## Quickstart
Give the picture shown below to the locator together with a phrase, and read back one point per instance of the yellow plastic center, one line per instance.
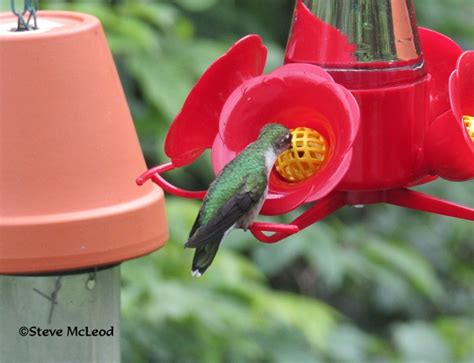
(304, 158)
(469, 124)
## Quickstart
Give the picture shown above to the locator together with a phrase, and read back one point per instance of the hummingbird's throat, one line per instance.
(304, 158)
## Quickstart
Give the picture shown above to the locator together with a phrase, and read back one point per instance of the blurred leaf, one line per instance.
(348, 344)
(314, 319)
(406, 262)
(162, 15)
(459, 333)
(419, 342)
(193, 5)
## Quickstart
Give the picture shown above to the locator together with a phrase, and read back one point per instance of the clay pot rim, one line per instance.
(81, 23)
(125, 207)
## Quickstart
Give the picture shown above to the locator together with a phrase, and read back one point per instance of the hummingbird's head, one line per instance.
(278, 136)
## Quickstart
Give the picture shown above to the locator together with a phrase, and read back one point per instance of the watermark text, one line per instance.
(69, 331)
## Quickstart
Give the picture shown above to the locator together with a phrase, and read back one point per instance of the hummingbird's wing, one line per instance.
(225, 218)
(207, 238)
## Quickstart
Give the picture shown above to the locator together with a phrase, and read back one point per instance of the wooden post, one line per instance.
(61, 318)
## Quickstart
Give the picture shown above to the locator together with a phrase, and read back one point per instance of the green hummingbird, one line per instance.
(236, 196)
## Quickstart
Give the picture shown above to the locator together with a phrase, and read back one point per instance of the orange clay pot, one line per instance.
(69, 154)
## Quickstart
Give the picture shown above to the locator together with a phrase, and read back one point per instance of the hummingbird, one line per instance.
(236, 196)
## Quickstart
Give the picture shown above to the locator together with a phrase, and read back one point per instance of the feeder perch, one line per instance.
(390, 106)
(70, 209)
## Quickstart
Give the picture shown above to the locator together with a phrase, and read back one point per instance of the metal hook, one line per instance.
(30, 7)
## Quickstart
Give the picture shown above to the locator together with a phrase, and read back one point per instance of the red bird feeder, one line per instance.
(377, 106)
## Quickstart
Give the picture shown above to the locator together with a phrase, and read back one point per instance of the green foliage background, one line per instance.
(379, 284)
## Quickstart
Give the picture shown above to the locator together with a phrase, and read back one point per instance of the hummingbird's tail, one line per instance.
(206, 240)
(204, 256)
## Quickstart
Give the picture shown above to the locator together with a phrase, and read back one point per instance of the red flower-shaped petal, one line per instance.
(195, 127)
(294, 95)
(449, 149)
(461, 86)
(440, 54)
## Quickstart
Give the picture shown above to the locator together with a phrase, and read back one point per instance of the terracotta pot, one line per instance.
(69, 154)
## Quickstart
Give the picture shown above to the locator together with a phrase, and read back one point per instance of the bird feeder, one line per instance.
(70, 210)
(377, 106)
